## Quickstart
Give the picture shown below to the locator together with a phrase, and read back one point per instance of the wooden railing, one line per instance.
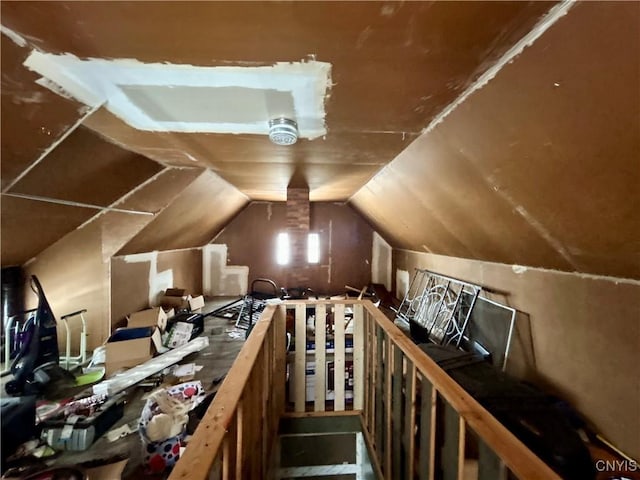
(418, 421)
(236, 436)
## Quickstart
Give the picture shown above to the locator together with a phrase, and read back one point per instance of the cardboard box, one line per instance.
(179, 335)
(175, 298)
(196, 303)
(131, 353)
(175, 292)
(151, 317)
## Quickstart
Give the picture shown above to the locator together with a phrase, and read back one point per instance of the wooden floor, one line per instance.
(216, 360)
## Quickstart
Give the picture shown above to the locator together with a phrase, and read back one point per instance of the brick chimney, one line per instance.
(298, 220)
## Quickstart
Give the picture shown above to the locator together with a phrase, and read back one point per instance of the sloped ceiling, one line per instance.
(394, 67)
(538, 167)
(541, 166)
(82, 169)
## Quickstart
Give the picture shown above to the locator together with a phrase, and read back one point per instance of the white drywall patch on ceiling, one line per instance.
(187, 98)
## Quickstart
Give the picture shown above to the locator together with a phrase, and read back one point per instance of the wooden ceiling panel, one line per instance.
(541, 166)
(394, 67)
(28, 227)
(192, 219)
(119, 228)
(85, 168)
(33, 117)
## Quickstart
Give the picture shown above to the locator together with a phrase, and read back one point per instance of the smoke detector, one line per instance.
(283, 131)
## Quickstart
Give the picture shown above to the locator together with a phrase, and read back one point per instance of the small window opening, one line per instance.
(313, 248)
(282, 249)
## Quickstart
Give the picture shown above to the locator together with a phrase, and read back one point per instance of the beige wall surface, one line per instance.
(578, 335)
(138, 280)
(74, 276)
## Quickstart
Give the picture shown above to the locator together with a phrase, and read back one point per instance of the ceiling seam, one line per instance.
(50, 148)
(553, 15)
(72, 203)
(126, 196)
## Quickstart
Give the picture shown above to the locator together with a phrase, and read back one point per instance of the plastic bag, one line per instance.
(163, 423)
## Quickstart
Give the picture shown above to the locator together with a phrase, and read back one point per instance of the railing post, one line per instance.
(300, 388)
(453, 448)
(490, 467)
(358, 357)
(409, 419)
(338, 359)
(397, 414)
(427, 429)
(319, 401)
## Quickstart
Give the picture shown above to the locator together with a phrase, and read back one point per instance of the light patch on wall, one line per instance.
(381, 261)
(187, 98)
(283, 251)
(158, 281)
(402, 283)
(218, 278)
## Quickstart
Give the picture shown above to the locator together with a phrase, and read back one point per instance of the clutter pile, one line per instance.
(142, 353)
(163, 423)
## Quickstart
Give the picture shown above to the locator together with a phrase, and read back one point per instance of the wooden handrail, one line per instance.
(515, 454)
(207, 440)
(265, 349)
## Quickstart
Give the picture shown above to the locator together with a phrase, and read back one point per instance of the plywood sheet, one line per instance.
(192, 219)
(186, 266)
(540, 167)
(74, 277)
(394, 67)
(28, 227)
(85, 168)
(129, 289)
(33, 117)
(575, 355)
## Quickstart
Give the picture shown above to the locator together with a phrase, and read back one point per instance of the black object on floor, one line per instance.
(18, 416)
(36, 364)
(530, 414)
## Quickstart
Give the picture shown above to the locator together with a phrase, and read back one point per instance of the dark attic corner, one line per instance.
(320, 239)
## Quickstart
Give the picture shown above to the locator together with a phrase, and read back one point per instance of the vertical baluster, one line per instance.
(319, 404)
(240, 440)
(453, 447)
(358, 357)
(339, 363)
(300, 373)
(379, 372)
(427, 429)
(409, 418)
(397, 413)
(388, 406)
(490, 467)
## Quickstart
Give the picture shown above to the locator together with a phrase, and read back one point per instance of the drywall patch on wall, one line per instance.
(402, 283)
(158, 281)
(381, 261)
(218, 279)
(168, 98)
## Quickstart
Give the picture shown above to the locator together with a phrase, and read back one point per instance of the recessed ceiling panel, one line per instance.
(226, 107)
(186, 98)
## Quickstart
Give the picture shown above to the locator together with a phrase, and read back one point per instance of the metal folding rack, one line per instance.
(439, 304)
